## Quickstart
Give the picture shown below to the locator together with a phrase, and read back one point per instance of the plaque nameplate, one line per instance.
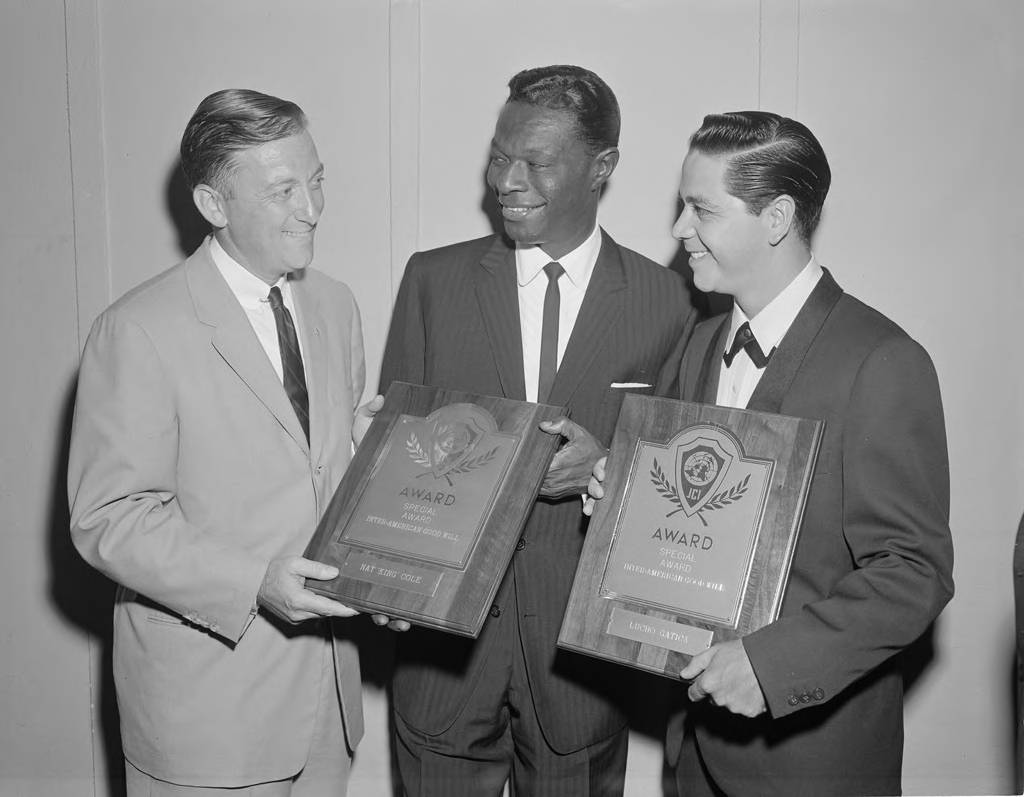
(693, 541)
(426, 518)
(375, 569)
(656, 631)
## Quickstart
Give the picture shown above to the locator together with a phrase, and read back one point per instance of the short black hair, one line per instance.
(768, 155)
(578, 91)
(228, 121)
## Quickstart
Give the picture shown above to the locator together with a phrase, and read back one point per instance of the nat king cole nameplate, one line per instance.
(427, 516)
(694, 538)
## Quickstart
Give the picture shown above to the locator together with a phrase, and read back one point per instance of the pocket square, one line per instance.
(630, 385)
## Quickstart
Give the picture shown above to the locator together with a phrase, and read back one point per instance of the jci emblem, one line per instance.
(448, 441)
(703, 456)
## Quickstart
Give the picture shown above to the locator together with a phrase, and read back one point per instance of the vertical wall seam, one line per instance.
(78, 334)
(760, 51)
(796, 76)
(405, 82)
(80, 27)
(390, 212)
(71, 176)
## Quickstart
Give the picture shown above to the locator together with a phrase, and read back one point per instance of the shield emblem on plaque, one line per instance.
(449, 438)
(701, 465)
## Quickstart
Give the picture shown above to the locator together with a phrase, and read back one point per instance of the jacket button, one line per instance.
(521, 544)
(495, 611)
(794, 700)
(818, 694)
(805, 698)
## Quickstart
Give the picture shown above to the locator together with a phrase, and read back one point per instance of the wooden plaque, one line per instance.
(427, 516)
(693, 541)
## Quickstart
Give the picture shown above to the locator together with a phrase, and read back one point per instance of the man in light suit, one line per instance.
(213, 421)
(496, 316)
(811, 704)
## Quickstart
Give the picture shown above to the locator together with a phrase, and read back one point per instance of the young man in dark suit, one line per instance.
(812, 703)
(553, 311)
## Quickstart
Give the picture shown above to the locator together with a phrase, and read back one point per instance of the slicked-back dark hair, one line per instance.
(768, 155)
(228, 121)
(579, 92)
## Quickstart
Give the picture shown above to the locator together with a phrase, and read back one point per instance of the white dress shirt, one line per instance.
(252, 293)
(533, 284)
(736, 383)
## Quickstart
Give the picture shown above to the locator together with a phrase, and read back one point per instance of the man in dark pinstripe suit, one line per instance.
(471, 316)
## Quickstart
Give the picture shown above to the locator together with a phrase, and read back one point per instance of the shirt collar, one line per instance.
(771, 324)
(249, 289)
(577, 264)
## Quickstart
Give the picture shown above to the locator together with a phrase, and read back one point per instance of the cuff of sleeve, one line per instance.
(243, 610)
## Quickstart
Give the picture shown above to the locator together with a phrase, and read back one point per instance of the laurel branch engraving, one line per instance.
(416, 452)
(667, 490)
(421, 458)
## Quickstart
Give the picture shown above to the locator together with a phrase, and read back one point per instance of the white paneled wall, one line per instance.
(917, 104)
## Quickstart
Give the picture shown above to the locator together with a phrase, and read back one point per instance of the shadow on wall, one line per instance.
(190, 226)
(1017, 659)
(85, 598)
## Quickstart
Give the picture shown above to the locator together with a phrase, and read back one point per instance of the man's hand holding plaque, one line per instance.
(573, 463)
(285, 593)
(364, 417)
(595, 487)
(723, 675)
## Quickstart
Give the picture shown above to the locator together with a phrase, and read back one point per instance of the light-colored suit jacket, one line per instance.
(188, 473)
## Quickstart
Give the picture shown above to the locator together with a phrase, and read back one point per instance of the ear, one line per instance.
(602, 166)
(779, 216)
(210, 203)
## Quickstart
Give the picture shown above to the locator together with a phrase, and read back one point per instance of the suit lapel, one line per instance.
(314, 355)
(706, 388)
(499, 306)
(599, 313)
(235, 341)
(789, 356)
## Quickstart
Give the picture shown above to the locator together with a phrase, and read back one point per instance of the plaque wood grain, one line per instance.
(791, 443)
(462, 595)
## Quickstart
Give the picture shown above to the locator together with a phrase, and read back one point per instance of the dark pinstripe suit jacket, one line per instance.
(873, 565)
(456, 325)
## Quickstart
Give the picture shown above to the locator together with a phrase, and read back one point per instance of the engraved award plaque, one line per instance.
(693, 541)
(427, 516)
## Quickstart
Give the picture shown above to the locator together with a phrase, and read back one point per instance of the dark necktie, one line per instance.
(745, 340)
(291, 359)
(549, 333)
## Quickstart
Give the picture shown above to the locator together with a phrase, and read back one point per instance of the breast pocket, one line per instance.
(611, 404)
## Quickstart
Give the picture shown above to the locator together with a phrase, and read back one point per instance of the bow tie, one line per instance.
(745, 340)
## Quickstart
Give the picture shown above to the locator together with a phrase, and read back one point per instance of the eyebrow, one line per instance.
(292, 180)
(529, 154)
(698, 199)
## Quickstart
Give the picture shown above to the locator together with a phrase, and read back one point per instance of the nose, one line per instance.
(309, 204)
(509, 177)
(683, 228)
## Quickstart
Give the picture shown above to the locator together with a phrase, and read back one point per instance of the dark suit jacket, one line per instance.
(456, 325)
(873, 564)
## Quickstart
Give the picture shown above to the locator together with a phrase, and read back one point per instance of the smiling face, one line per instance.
(267, 218)
(728, 246)
(547, 183)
